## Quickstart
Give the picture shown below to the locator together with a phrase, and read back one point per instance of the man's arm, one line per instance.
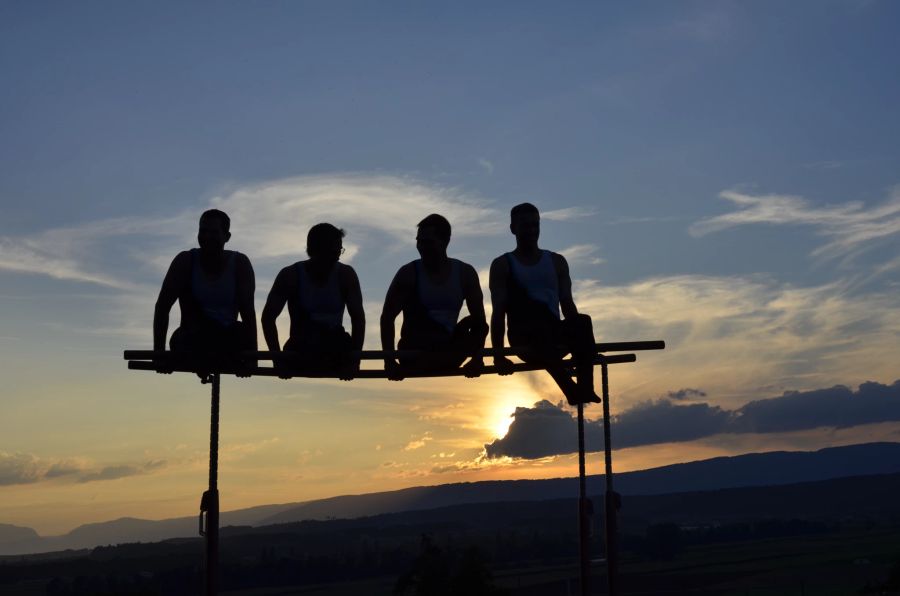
(393, 304)
(246, 287)
(172, 286)
(564, 284)
(355, 307)
(499, 297)
(475, 305)
(274, 305)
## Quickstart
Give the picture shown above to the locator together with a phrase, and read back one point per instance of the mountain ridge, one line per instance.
(748, 470)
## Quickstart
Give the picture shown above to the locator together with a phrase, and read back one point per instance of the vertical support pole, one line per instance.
(209, 504)
(583, 512)
(612, 499)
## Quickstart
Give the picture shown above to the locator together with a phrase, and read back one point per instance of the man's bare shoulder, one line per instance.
(181, 262)
(466, 268)
(286, 278)
(468, 273)
(346, 273)
(500, 264)
(406, 273)
(558, 259)
(242, 260)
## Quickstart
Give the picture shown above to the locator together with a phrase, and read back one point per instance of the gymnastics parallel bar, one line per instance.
(380, 374)
(601, 348)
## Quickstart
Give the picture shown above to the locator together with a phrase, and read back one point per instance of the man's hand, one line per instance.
(393, 370)
(348, 370)
(503, 365)
(473, 367)
(245, 368)
(281, 364)
(163, 365)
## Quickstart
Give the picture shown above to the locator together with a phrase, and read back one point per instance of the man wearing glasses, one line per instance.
(317, 291)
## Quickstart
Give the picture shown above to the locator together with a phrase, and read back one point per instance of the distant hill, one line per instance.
(17, 539)
(753, 470)
(850, 499)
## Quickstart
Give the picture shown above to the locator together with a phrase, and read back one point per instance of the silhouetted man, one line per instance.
(316, 291)
(529, 287)
(430, 292)
(212, 286)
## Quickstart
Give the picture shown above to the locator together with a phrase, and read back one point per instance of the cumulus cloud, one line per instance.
(848, 226)
(547, 429)
(26, 468)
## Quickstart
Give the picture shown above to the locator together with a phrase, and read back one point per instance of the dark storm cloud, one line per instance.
(548, 429)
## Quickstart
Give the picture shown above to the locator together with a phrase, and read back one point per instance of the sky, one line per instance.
(724, 176)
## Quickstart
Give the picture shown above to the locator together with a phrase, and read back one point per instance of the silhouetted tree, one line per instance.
(436, 572)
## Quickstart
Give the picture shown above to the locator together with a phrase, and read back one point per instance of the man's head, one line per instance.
(433, 237)
(525, 224)
(213, 231)
(324, 242)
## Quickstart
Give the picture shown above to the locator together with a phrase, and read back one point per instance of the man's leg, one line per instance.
(541, 342)
(468, 337)
(433, 344)
(311, 352)
(578, 335)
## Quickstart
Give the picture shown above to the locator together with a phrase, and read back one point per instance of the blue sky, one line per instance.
(721, 175)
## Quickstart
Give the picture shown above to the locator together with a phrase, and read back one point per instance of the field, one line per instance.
(837, 564)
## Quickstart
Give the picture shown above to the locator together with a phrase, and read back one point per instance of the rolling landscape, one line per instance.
(525, 532)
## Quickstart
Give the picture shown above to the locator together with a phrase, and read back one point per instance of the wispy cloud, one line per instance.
(273, 217)
(29, 256)
(487, 165)
(567, 213)
(733, 334)
(710, 25)
(269, 221)
(26, 468)
(824, 165)
(418, 443)
(582, 253)
(685, 394)
(848, 226)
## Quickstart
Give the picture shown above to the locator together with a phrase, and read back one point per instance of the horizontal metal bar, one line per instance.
(380, 374)
(624, 346)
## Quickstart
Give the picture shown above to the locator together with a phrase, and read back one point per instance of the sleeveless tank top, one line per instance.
(538, 280)
(324, 304)
(217, 298)
(443, 301)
